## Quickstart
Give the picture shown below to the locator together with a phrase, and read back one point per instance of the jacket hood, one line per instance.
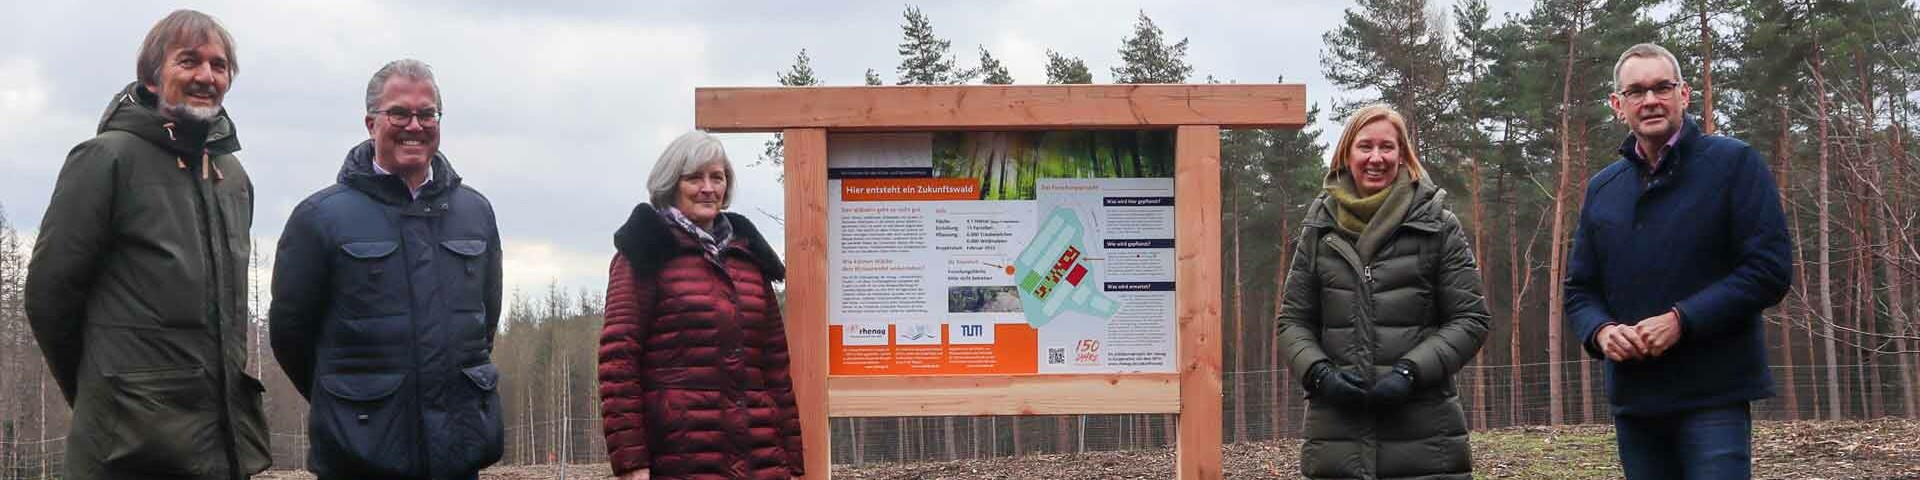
(135, 110)
(357, 172)
(648, 242)
(1426, 213)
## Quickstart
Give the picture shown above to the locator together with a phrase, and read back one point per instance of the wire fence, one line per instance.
(1258, 405)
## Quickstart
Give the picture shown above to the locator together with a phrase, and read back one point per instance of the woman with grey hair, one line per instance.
(693, 357)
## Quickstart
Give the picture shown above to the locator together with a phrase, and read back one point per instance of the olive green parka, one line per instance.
(136, 293)
(1418, 299)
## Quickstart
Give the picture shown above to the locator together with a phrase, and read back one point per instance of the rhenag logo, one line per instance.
(864, 334)
(1088, 353)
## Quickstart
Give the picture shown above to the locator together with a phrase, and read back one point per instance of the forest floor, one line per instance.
(1887, 448)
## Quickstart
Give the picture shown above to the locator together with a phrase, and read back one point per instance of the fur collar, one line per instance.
(648, 242)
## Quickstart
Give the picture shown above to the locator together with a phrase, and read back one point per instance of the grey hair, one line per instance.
(182, 28)
(1647, 50)
(687, 154)
(406, 68)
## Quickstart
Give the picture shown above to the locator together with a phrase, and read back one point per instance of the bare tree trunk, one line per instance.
(900, 438)
(1804, 304)
(859, 441)
(43, 426)
(1862, 315)
(1062, 441)
(1514, 269)
(1239, 320)
(533, 455)
(1782, 152)
(1706, 70)
(1864, 162)
(952, 444)
(1892, 304)
(1169, 428)
(1282, 396)
(1587, 364)
(1480, 259)
(1896, 276)
(1863, 296)
(1018, 446)
(1556, 309)
(1826, 236)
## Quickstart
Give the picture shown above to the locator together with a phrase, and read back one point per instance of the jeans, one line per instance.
(1710, 443)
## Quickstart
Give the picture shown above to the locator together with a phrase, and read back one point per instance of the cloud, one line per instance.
(557, 110)
(531, 263)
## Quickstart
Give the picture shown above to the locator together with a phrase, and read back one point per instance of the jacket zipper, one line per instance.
(1365, 328)
(719, 263)
(208, 230)
(1346, 252)
(413, 348)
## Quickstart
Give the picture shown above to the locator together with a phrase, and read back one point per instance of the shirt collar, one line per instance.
(414, 191)
(1631, 149)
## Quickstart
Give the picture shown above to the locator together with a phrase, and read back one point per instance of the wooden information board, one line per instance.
(1193, 113)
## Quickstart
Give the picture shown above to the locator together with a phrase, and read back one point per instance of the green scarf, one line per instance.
(1368, 220)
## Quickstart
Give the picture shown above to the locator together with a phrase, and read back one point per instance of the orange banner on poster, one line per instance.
(908, 189)
(1015, 350)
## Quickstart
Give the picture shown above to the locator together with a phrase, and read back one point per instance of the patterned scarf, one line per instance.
(710, 242)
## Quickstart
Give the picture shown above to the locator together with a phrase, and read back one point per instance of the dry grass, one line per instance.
(1878, 449)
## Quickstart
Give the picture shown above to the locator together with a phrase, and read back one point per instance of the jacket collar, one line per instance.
(357, 172)
(1671, 158)
(135, 110)
(648, 242)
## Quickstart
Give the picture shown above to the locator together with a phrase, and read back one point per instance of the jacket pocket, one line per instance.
(369, 276)
(470, 258)
(163, 422)
(360, 429)
(483, 429)
(250, 422)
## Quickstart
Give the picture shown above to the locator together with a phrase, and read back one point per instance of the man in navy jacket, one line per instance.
(1681, 245)
(386, 294)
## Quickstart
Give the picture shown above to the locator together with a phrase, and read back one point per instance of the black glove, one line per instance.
(1340, 387)
(1394, 387)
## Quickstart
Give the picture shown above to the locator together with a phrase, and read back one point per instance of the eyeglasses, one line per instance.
(401, 116)
(1663, 90)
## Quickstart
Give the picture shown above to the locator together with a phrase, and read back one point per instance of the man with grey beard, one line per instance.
(137, 289)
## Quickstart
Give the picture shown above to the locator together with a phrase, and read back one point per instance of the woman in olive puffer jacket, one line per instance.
(1382, 307)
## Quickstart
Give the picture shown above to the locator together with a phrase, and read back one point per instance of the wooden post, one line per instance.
(806, 313)
(1196, 191)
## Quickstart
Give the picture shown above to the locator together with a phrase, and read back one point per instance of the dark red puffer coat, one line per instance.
(693, 357)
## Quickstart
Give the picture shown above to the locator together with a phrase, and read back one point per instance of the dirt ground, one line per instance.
(1878, 449)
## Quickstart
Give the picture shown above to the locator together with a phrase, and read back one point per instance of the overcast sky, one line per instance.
(556, 110)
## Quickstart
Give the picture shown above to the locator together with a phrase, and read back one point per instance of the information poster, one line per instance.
(957, 253)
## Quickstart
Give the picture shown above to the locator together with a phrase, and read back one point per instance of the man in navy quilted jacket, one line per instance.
(386, 295)
(1681, 245)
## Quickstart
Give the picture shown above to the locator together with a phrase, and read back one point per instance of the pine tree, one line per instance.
(995, 72)
(798, 75)
(924, 57)
(1147, 58)
(1390, 47)
(873, 79)
(1062, 69)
